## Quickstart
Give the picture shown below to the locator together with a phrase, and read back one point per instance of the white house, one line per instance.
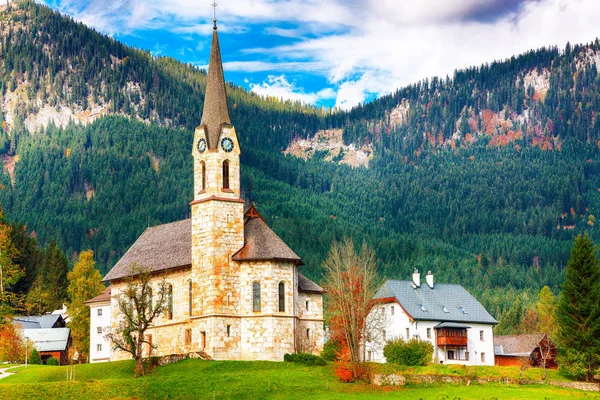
(446, 315)
(100, 314)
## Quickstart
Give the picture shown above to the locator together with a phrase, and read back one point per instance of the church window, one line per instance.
(188, 336)
(308, 333)
(203, 166)
(203, 340)
(306, 305)
(150, 299)
(225, 174)
(190, 298)
(281, 296)
(228, 330)
(170, 295)
(256, 297)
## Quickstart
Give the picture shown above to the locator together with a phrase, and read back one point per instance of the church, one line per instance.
(235, 290)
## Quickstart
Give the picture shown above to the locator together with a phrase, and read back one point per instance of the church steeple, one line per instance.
(216, 110)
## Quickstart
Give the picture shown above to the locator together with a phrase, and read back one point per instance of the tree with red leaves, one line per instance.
(351, 282)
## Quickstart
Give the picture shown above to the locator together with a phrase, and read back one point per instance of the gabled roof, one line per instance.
(261, 243)
(216, 111)
(48, 339)
(442, 303)
(517, 345)
(39, 321)
(158, 248)
(101, 298)
(307, 286)
(169, 246)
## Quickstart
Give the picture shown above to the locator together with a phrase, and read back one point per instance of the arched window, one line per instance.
(256, 296)
(281, 296)
(203, 166)
(170, 296)
(190, 297)
(225, 174)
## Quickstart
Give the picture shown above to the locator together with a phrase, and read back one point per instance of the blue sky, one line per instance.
(338, 53)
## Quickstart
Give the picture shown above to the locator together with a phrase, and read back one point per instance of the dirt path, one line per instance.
(4, 372)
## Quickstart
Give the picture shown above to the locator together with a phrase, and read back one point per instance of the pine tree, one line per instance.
(56, 268)
(579, 312)
(85, 282)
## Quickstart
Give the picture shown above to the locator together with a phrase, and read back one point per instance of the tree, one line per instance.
(138, 307)
(351, 282)
(10, 273)
(12, 349)
(546, 311)
(56, 268)
(578, 313)
(85, 282)
(34, 358)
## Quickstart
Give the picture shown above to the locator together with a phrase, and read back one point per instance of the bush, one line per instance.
(412, 353)
(34, 358)
(330, 351)
(304, 358)
(52, 361)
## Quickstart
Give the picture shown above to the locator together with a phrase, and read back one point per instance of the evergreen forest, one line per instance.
(485, 179)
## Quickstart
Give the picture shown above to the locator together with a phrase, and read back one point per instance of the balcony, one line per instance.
(451, 337)
(451, 341)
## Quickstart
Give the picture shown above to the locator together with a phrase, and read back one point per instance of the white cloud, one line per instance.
(279, 87)
(361, 46)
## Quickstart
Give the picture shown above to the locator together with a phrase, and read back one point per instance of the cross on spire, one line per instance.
(214, 4)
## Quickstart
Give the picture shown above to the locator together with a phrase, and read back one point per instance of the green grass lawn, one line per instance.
(196, 379)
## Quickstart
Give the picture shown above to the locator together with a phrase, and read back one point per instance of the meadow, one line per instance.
(196, 379)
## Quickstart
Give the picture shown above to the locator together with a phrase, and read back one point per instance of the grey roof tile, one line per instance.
(48, 339)
(308, 286)
(442, 303)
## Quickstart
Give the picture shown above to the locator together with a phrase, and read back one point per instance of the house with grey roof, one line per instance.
(459, 328)
(47, 333)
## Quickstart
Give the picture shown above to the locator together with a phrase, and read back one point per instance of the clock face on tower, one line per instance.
(201, 145)
(227, 144)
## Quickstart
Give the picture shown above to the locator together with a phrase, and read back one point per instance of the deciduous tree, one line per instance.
(10, 273)
(351, 282)
(85, 282)
(138, 308)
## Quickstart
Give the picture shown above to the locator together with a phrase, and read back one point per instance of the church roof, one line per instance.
(169, 246)
(158, 248)
(308, 286)
(216, 111)
(261, 243)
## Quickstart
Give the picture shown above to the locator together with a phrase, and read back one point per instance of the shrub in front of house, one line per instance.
(52, 361)
(304, 358)
(34, 358)
(412, 352)
(330, 351)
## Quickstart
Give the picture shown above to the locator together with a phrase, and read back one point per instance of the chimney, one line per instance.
(417, 278)
(429, 279)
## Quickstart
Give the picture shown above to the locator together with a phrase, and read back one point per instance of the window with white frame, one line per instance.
(99, 312)
(481, 336)
(99, 347)
(99, 330)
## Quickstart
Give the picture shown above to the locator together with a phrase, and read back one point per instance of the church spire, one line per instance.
(216, 111)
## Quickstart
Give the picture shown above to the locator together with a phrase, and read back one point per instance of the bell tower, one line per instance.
(217, 209)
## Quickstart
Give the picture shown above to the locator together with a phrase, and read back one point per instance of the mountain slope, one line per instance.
(483, 178)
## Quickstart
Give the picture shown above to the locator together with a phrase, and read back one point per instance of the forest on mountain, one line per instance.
(483, 178)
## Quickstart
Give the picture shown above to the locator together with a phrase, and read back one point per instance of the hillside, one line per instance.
(483, 178)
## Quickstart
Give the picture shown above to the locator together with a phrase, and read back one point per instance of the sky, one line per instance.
(339, 53)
